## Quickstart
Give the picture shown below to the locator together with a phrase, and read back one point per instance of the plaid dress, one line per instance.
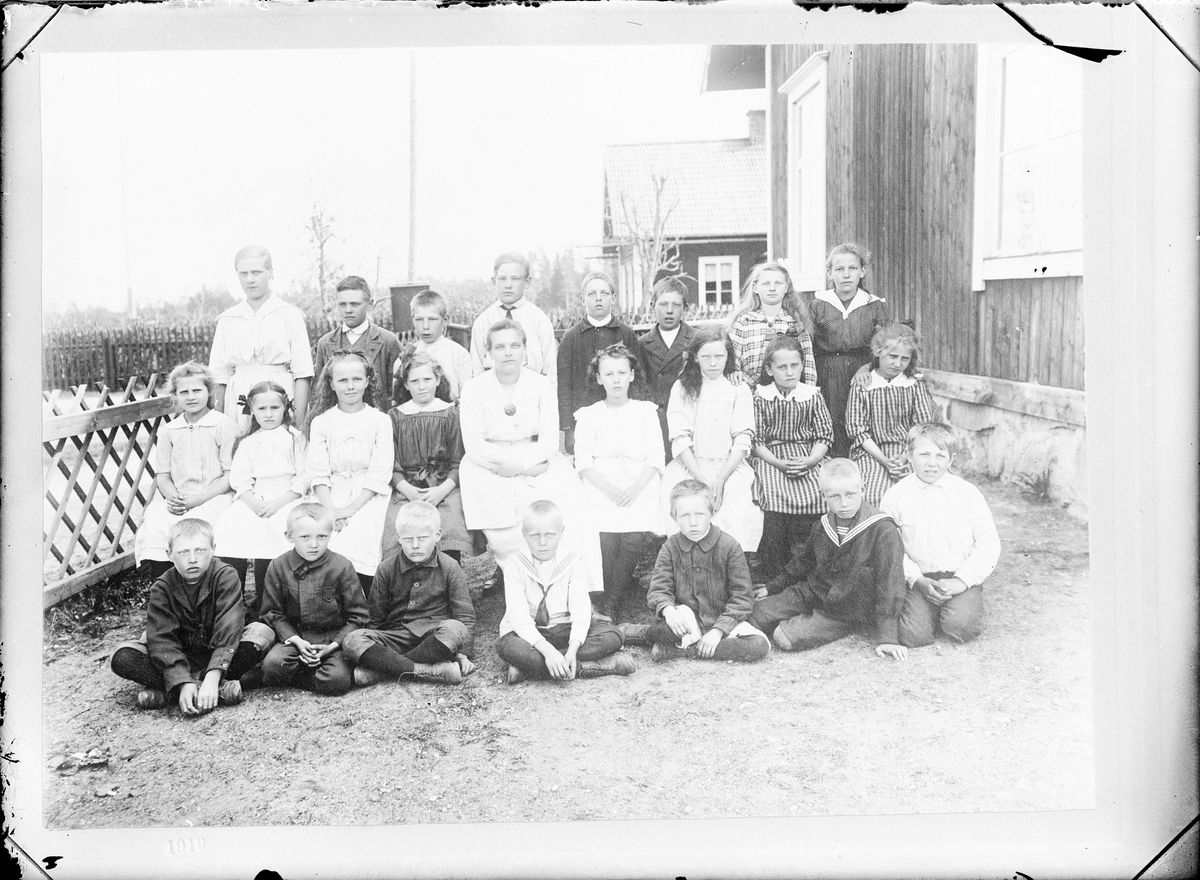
(750, 333)
(884, 411)
(789, 426)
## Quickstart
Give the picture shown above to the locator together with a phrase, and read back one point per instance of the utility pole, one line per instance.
(412, 162)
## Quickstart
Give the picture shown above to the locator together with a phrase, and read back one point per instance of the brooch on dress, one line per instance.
(510, 410)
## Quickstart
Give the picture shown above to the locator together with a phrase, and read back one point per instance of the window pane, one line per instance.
(1063, 94)
(1063, 224)
(1023, 97)
(726, 271)
(1020, 184)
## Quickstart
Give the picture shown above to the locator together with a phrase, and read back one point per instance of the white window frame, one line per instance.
(715, 264)
(988, 263)
(805, 91)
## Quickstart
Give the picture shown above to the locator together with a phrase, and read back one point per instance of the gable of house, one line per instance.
(710, 188)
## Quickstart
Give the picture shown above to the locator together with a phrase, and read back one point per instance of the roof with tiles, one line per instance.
(718, 188)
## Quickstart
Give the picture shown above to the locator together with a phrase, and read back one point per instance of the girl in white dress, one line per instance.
(268, 480)
(711, 423)
(509, 419)
(193, 456)
(619, 455)
(350, 459)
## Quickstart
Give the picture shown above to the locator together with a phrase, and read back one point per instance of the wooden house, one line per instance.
(959, 167)
(708, 199)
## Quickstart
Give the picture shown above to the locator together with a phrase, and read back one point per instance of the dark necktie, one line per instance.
(508, 310)
(542, 617)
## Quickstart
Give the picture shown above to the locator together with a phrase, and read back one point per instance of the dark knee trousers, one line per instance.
(740, 649)
(803, 627)
(782, 532)
(602, 639)
(620, 553)
(960, 618)
(332, 677)
(131, 660)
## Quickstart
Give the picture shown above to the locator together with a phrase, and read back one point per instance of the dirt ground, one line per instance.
(1001, 724)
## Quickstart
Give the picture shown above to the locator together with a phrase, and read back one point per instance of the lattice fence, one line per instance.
(98, 478)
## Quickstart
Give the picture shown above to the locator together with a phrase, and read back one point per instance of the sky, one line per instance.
(158, 166)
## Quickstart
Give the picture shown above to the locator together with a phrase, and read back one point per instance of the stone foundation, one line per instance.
(1046, 457)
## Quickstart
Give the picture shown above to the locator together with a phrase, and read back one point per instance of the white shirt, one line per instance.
(860, 299)
(353, 334)
(596, 323)
(567, 599)
(454, 359)
(275, 334)
(540, 346)
(945, 526)
(668, 336)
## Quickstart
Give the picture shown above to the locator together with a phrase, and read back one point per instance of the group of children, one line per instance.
(719, 439)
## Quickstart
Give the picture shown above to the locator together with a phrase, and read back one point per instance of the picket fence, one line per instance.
(111, 356)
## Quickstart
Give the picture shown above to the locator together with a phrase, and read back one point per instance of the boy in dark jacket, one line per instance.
(596, 331)
(421, 621)
(700, 589)
(196, 647)
(849, 573)
(313, 600)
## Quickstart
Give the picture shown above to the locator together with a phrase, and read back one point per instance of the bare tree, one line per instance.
(321, 235)
(654, 250)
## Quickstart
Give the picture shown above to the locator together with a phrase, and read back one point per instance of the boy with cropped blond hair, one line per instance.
(950, 541)
(700, 589)
(548, 629)
(421, 621)
(313, 600)
(847, 575)
(429, 312)
(196, 647)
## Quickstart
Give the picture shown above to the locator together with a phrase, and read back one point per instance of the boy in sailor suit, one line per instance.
(849, 573)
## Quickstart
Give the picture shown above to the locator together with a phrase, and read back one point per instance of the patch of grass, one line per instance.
(91, 616)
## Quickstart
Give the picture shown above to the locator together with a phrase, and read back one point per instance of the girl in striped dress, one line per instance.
(884, 403)
(770, 307)
(792, 433)
(844, 318)
(429, 448)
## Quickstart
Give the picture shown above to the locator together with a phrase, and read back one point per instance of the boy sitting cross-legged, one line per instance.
(313, 600)
(194, 627)
(422, 621)
(848, 573)
(701, 589)
(548, 630)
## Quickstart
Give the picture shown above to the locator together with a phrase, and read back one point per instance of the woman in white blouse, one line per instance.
(509, 418)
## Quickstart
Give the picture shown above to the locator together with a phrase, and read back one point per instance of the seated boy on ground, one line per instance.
(548, 630)
(196, 645)
(847, 574)
(422, 621)
(313, 600)
(950, 541)
(700, 588)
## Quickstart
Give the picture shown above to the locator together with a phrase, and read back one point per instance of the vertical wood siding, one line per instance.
(900, 161)
(1034, 331)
